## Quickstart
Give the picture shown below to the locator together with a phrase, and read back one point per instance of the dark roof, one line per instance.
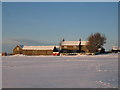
(21, 46)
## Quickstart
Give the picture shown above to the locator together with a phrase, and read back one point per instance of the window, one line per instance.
(65, 46)
(17, 49)
(75, 46)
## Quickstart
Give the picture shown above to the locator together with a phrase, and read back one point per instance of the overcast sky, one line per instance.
(39, 23)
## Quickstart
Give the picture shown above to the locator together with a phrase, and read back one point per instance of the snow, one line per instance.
(116, 47)
(39, 47)
(74, 43)
(97, 71)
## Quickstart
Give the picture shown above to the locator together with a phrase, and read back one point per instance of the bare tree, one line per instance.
(96, 41)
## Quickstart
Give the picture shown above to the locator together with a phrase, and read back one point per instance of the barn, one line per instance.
(18, 49)
(34, 50)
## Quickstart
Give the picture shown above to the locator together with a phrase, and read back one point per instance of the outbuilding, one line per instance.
(34, 50)
(116, 49)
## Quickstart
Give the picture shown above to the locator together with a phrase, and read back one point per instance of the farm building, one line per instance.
(18, 49)
(65, 47)
(34, 50)
(116, 49)
(73, 46)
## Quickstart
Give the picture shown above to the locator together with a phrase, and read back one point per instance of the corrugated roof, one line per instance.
(74, 42)
(39, 47)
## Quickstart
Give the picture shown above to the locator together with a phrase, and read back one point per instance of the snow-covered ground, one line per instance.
(98, 71)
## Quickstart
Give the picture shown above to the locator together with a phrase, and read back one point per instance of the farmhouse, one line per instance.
(34, 50)
(73, 46)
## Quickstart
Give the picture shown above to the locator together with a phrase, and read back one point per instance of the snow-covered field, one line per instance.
(99, 71)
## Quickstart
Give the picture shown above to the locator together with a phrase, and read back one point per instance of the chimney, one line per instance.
(63, 40)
